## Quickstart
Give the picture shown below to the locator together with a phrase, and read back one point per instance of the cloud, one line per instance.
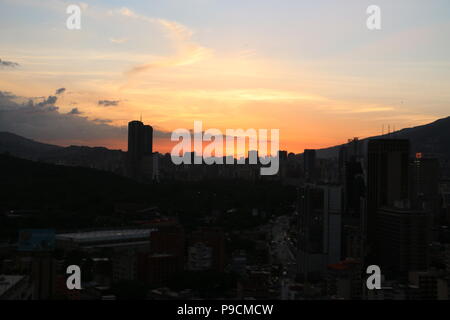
(108, 103)
(60, 91)
(49, 102)
(43, 121)
(187, 51)
(8, 64)
(102, 120)
(75, 111)
(6, 95)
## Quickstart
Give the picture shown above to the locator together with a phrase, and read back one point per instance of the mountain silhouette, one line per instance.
(431, 139)
(90, 157)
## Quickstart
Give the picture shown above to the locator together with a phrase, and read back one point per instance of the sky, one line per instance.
(311, 69)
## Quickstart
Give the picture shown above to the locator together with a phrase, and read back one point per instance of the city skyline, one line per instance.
(216, 157)
(306, 69)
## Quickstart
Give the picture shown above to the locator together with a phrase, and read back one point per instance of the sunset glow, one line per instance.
(317, 75)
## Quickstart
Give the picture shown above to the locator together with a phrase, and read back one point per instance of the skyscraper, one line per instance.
(387, 181)
(319, 237)
(403, 240)
(309, 160)
(147, 140)
(424, 190)
(140, 148)
(135, 139)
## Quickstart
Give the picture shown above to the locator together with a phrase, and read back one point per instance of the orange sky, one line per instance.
(320, 82)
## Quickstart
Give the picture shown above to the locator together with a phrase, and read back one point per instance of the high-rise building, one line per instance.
(140, 149)
(147, 148)
(387, 182)
(43, 275)
(320, 223)
(354, 190)
(309, 160)
(424, 189)
(135, 139)
(403, 240)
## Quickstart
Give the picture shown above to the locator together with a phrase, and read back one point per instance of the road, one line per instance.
(281, 249)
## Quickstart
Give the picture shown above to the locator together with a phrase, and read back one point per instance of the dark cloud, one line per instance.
(8, 64)
(43, 121)
(102, 120)
(60, 91)
(75, 111)
(50, 101)
(7, 95)
(108, 103)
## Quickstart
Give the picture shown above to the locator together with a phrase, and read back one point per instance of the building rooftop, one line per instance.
(105, 235)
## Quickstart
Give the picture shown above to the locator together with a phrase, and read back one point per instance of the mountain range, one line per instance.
(432, 139)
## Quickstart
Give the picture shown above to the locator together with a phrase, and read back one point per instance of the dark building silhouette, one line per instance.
(140, 149)
(354, 195)
(387, 182)
(148, 140)
(283, 161)
(169, 240)
(43, 273)
(309, 160)
(212, 239)
(283, 155)
(403, 240)
(354, 189)
(311, 220)
(425, 173)
(320, 228)
(157, 269)
(343, 280)
(135, 139)
(140, 139)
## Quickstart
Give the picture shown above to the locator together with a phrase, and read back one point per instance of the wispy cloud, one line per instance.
(187, 51)
(244, 95)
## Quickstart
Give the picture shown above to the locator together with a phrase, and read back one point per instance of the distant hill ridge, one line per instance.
(91, 157)
(432, 138)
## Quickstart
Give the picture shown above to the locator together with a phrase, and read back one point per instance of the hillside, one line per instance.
(90, 157)
(432, 138)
